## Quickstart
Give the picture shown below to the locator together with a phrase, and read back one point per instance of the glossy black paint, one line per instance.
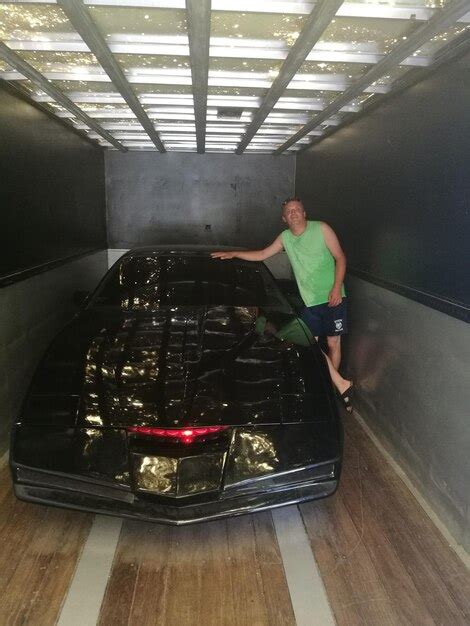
(179, 341)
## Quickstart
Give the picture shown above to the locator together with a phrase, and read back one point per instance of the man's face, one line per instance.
(293, 213)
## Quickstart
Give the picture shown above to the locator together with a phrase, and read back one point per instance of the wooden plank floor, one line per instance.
(39, 550)
(382, 560)
(380, 556)
(222, 572)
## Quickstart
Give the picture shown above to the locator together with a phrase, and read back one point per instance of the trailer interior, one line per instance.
(186, 123)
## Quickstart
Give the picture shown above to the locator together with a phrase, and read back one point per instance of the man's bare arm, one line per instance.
(251, 255)
(333, 245)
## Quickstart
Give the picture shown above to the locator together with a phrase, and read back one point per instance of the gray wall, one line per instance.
(412, 364)
(395, 186)
(32, 311)
(170, 198)
(51, 188)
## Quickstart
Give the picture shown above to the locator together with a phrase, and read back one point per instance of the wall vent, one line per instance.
(231, 113)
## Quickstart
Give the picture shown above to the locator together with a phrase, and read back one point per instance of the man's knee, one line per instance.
(333, 341)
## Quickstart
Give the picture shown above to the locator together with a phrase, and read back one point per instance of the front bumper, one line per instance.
(75, 493)
(105, 470)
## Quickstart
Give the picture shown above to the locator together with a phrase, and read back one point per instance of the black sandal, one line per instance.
(346, 398)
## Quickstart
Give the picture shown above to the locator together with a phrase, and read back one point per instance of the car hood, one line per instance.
(182, 366)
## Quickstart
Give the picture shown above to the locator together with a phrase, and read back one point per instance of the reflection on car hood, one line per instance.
(184, 366)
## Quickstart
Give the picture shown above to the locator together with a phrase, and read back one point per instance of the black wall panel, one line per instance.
(209, 199)
(52, 194)
(395, 185)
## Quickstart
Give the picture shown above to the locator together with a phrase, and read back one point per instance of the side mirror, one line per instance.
(79, 297)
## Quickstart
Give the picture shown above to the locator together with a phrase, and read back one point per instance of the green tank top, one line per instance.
(312, 263)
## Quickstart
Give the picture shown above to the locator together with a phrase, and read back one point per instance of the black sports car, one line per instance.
(185, 389)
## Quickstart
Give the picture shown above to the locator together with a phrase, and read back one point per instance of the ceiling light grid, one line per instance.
(139, 78)
(398, 50)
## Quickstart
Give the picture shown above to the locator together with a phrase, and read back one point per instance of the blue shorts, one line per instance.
(324, 320)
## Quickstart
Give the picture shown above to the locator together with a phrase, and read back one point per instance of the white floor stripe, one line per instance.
(308, 595)
(83, 602)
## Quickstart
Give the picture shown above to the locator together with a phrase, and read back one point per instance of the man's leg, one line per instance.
(339, 382)
(335, 324)
(334, 350)
(314, 318)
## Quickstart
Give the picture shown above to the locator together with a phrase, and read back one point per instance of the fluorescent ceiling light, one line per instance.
(302, 82)
(221, 47)
(348, 9)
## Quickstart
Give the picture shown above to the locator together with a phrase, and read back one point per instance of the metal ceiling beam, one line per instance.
(80, 19)
(318, 20)
(28, 71)
(447, 16)
(198, 13)
(79, 129)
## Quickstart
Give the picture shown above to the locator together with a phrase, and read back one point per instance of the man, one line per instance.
(319, 266)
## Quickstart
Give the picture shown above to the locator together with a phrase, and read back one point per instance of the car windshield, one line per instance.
(147, 282)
